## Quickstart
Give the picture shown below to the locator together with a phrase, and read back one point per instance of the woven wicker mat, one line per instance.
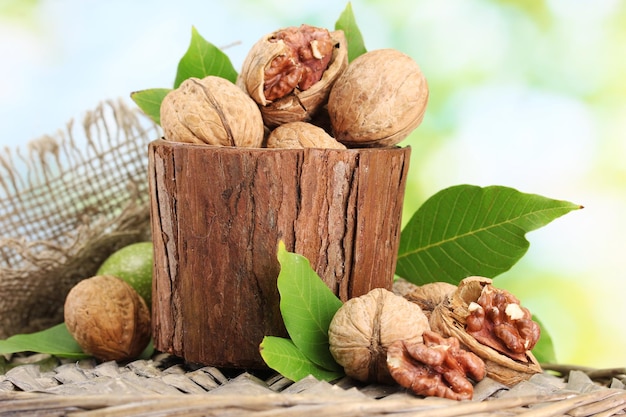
(166, 386)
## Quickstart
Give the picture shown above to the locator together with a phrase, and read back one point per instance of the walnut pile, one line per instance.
(382, 337)
(301, 75)
(452, 337)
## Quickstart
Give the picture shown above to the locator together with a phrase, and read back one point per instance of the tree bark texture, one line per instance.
(218, 214)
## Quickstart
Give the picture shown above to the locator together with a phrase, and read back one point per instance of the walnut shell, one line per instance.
(427, 296)
(298, 135)
(378, 100)
(108, 318)
(449, 319)
(364, 327)
(298, 104)
(211, 111)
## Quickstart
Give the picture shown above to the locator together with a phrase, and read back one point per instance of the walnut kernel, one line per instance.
(306, 57)
(497, 320)
(437, 367)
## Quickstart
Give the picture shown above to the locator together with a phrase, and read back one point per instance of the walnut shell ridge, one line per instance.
(378, 100)
(211, 111)
(364, 327)
(108, 318)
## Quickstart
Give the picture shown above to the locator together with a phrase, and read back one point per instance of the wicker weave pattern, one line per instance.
(165, 386)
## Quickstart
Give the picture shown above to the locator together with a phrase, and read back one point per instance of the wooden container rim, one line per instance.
(173, 144)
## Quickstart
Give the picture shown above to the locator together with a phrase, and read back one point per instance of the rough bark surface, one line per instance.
(218, 214)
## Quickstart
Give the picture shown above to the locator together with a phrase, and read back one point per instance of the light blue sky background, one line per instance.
(73, 53)
(525, 96)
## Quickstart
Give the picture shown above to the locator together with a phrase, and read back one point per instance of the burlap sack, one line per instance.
(67, 202)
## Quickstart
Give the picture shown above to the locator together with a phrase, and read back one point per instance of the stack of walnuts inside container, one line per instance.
(296, 89)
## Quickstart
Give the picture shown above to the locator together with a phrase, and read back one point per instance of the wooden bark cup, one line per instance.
(218, 214)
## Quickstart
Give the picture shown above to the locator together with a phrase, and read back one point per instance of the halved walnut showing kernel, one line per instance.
(289, 72)
(491, 323)
(438, 367)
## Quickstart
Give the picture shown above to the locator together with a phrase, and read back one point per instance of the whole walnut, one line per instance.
(211, 111)
(364, 327)
(298, 135)
(427, 296)
(378, 100)
(108, 318)
(289, 72)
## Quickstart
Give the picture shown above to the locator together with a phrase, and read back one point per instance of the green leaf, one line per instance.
(347, 23)
(307, 306)
(149, 101)
(283, 356)
(148, 351)
(56, 341)
(544, 349)
(468, 230)
(203, 59)
(45, 364)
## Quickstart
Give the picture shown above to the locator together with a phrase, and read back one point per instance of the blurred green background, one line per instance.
(527, 94)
